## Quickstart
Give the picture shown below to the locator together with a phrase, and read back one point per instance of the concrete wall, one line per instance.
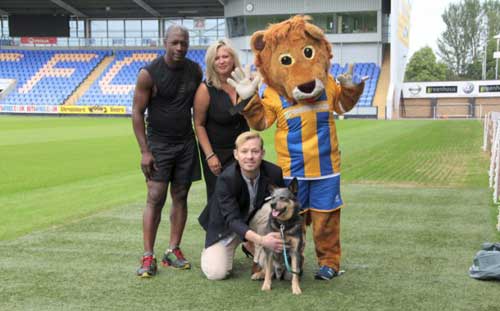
(269, 7)
(347, 48)
(448, 107)
(357, 53)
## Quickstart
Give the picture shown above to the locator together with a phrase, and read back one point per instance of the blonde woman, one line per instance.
(215, 127)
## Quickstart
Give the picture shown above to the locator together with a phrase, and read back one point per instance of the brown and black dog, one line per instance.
(285, 218)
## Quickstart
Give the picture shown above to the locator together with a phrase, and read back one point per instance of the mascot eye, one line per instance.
(308, 51)
(286, 59)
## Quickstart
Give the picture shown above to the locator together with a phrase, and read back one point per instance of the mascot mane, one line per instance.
(296, 29)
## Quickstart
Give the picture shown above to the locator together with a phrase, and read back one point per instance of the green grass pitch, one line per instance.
(72, 194)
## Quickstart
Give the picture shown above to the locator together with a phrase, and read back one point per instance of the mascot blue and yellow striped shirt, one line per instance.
(306, 138)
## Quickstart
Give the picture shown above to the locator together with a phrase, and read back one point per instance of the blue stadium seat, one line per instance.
(115, 86)
(46, 77)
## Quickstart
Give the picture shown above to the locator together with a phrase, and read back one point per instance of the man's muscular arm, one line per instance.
(142, 94)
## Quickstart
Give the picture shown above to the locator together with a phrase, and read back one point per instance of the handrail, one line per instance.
(132, 42)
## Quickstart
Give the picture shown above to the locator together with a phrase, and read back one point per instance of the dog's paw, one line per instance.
(266, 286)
(296, 290)
(257, 276)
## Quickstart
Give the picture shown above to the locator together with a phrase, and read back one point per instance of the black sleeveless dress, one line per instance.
(222, 131)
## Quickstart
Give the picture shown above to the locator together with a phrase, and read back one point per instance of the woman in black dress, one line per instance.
(216, 129)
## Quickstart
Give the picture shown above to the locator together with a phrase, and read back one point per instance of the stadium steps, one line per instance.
(380, 98)
(94, 75)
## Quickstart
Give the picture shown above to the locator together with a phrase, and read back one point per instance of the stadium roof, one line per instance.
(115, 8)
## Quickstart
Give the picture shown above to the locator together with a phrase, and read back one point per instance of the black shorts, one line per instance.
(177, 163)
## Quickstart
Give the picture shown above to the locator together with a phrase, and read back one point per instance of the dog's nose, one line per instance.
(307, 87)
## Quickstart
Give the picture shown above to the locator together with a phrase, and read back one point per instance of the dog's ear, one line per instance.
(271, 187)
(294, 186)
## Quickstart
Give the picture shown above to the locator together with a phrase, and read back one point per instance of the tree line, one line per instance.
(465, 48)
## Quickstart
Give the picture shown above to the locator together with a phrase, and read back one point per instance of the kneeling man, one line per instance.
(234, 213)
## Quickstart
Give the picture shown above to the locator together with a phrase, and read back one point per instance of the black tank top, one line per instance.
(222, 128)
(169, 110)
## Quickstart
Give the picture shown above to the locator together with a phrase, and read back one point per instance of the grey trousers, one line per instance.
(217, 260)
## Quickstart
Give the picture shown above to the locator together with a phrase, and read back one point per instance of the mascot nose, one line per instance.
(307, 87)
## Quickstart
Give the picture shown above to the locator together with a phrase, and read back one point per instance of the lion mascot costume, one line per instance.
(293, 58)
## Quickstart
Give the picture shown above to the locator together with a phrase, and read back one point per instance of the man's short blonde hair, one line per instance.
(246, 136)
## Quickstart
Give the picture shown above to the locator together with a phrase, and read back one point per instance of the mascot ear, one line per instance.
(257, 41)
(317, 34)
(314, 31)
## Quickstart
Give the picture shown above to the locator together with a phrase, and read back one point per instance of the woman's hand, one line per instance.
(214, 165)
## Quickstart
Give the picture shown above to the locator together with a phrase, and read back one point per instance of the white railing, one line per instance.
(194, 40)
(491, 144)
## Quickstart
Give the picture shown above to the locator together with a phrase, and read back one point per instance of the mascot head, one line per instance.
(293, 57)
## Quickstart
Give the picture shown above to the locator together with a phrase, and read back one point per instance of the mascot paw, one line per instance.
(348, 80)
(242, 81)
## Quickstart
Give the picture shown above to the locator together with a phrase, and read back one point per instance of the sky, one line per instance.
(426, 23)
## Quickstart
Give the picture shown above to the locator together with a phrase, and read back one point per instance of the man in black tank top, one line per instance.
(166, 88)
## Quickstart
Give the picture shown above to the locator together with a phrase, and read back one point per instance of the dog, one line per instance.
(285, 218)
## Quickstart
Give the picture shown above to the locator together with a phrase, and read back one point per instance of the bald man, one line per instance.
(169, 156)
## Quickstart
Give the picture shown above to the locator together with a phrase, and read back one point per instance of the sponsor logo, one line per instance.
(97, 109)
(415, 89)
(72, 109)
(93, 109)
(468, 88)
(441, 89)
(38, 40)
(296, 111)
(118, 110)
(489, 88)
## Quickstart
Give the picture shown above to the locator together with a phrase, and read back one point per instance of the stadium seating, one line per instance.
(49, 77)
(46, 77)
(115, 86)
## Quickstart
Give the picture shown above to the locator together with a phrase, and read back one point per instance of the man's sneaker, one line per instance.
(148, 267)
(175, 258)
(326, 273)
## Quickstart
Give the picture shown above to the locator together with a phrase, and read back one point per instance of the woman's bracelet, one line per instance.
(208, 157)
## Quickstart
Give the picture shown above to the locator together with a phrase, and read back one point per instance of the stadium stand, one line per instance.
(49, 77)
(46, 77)
(115, 86)
(373, 72)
